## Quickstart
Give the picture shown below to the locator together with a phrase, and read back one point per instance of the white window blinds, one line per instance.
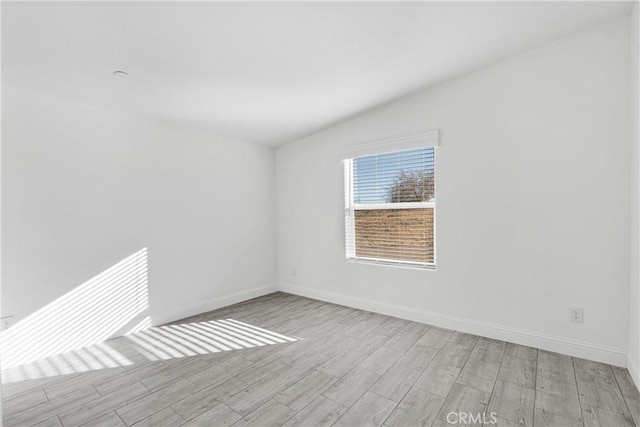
(390, 207)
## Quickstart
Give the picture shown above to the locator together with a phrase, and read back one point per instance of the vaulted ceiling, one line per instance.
(268, 72)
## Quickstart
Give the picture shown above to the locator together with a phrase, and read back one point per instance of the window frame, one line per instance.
(351, 207)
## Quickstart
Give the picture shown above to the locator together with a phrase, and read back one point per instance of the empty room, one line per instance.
(344, 214)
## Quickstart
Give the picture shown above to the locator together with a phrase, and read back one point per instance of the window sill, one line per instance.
(399, 264)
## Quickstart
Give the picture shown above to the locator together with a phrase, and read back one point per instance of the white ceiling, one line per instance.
(268, 72)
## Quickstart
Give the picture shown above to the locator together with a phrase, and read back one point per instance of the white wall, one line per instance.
(85, 187)
(533, 202)
(633, 361)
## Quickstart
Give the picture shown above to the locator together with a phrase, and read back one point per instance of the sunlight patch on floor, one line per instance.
(151, 344)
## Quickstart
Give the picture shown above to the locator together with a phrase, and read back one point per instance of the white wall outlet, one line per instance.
(7, 322)
(293, 272)
(577, 314)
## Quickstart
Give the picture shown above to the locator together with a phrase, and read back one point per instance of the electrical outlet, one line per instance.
(577, 315)
(293, 272)
(7, 322)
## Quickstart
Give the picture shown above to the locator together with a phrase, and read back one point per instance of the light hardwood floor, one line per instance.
(287, 360)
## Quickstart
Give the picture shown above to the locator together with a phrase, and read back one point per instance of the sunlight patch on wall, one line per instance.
(88, 314)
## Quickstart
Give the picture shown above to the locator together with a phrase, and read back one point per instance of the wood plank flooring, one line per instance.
(287, 360)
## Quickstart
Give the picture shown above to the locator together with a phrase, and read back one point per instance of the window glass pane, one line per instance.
(377, 226)
(395, 234)
(406, 176)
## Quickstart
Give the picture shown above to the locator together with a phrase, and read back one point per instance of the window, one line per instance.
(390, 207)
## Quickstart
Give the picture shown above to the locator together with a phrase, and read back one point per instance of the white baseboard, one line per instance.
(632, 367)
(585, 350)
(212, 304)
